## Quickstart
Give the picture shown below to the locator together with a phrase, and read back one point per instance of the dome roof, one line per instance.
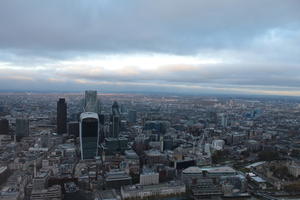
(192, 170)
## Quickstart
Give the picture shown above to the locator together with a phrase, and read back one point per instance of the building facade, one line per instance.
(4, 127)
(91, 103)
(61, 116)
(22, 128)
(89, 129)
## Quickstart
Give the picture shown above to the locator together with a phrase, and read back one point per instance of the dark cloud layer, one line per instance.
(258, 42)
(174, 26)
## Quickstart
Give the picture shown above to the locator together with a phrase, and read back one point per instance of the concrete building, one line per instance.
(112, 146)
(257, 181)
(158, 127)
(149, 178)
(237, 183)
(192, 175)
(4, 173)
(51, 193)
(106, 195)
(161, 190)
(206, 189)
(294, 169)
(253, 145)
(236, 138)
(155, 157)
(115, 179)
(40, 181)
(218, 144)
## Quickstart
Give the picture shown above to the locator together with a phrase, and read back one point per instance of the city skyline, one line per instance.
(190, 47)
(137, 146)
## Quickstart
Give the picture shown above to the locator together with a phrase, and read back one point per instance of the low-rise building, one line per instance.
(167, 189)
(149, 178)
(294, 169)
(116, 179)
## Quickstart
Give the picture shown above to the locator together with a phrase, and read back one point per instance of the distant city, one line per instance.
(149, 99)
(98, 146)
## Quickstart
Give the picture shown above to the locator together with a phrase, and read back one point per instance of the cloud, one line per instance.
(195, 45)
(170, 26)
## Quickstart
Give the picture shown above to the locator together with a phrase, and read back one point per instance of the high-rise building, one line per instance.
(123, 109)
(61, 116)
(91, 103)
(115, 126)
(212, 116)
(22, 128)
(224, 120)
(4, 127)
(102, 128)
(89, 129)
(115, 109)
(115, 120)
(73, 128)
(132, 116)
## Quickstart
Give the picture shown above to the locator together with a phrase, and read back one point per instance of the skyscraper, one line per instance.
(132, 116)
(224, 120)
(101, 132)
(91, 103)
(73, 128)
(61, 116)
(115, 126)
(4, 127)
(115, 109)
(115, 119)
(22, 128)
(89, 129)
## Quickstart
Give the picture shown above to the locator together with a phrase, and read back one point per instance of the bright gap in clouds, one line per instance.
(143, 62)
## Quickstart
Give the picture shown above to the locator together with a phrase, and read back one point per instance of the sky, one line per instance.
(171, 46)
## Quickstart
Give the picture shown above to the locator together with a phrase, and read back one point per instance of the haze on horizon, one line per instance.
(190, 46)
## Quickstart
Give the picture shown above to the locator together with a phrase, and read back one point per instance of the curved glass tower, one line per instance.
(89, 129)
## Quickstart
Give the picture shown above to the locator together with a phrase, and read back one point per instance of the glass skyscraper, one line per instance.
(91, 101)
(89, 129)
(22, 128)
(61, 116)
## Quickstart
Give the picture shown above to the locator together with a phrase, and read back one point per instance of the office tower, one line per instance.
(102, 119)
(115, 109)
(102, 128)
(4, 127)
(61, 116)
(115, 119)
(132, 116)
(212, 117)
(22, 128)
(91, 102)
(73, 128)
(89, 129)
(123, 109)
(224, 120)
(115, 126)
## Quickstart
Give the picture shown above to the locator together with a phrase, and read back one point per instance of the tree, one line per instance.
(268, 155)
(295, 187)
(281, 171)
(218, 156)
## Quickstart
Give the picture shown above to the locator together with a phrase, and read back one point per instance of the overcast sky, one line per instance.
(188, 46)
